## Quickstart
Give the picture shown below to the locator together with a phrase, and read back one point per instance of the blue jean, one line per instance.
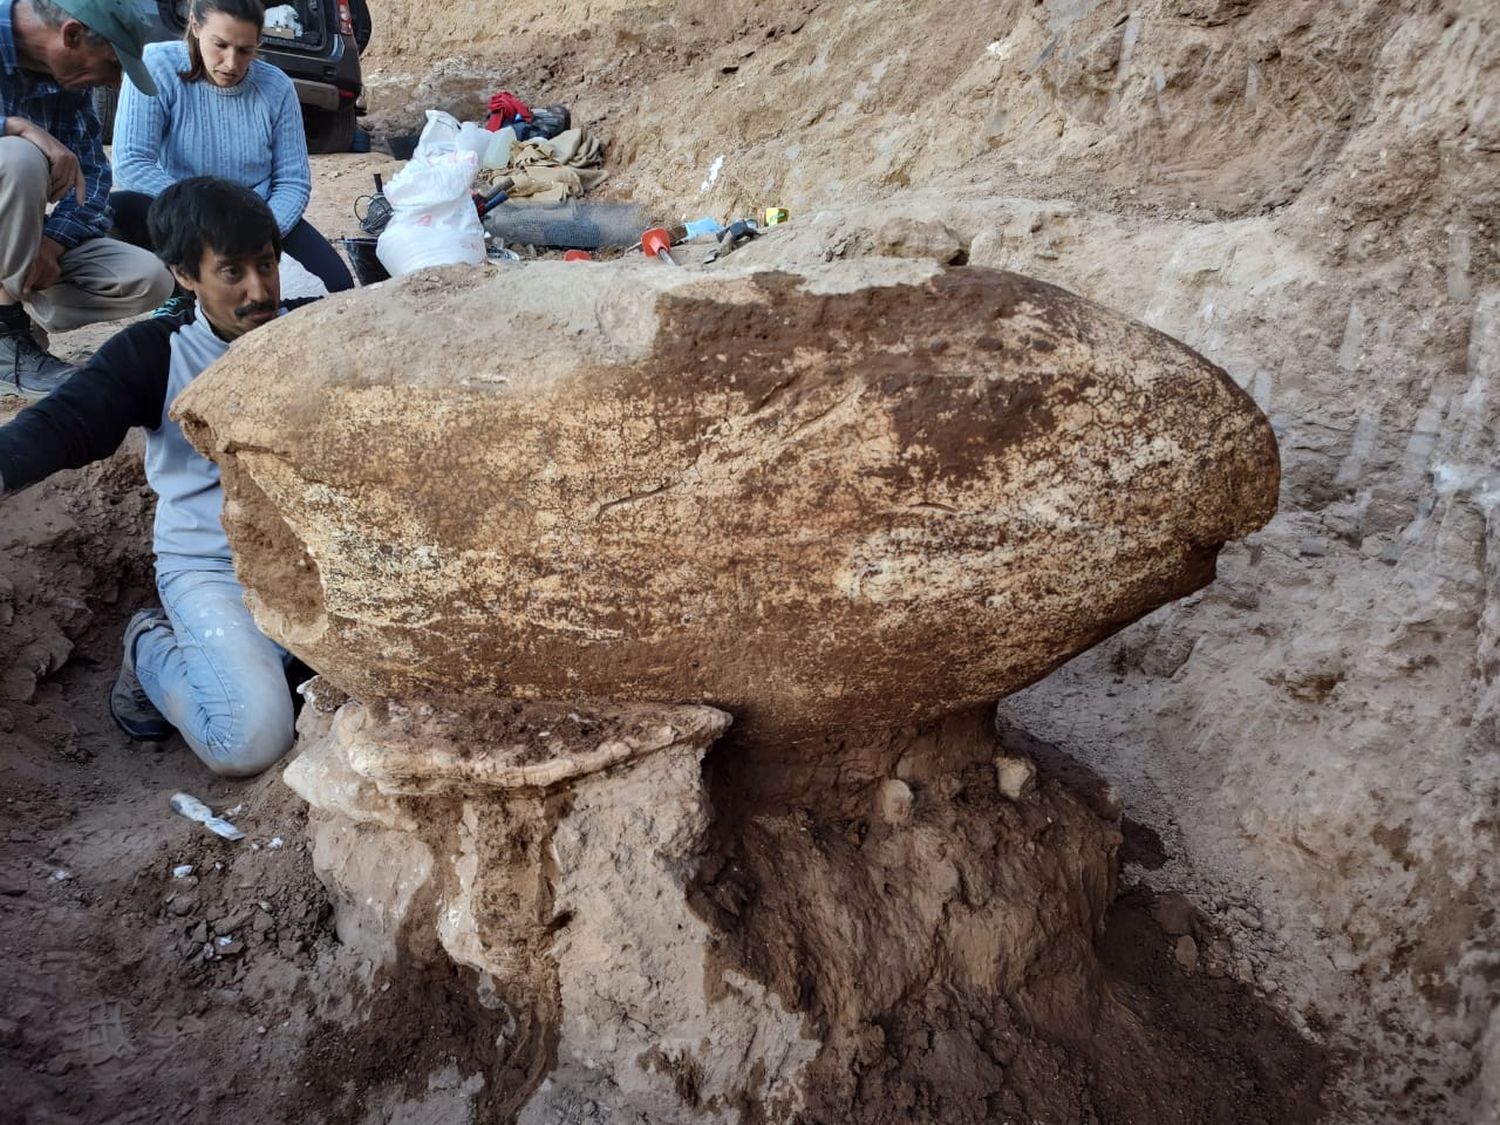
(215, 676)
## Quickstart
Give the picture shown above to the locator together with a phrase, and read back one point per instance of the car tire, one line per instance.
(105, 103)
(329, 130)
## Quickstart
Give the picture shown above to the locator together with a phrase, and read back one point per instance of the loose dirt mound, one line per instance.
(803, 880)
(128, 993)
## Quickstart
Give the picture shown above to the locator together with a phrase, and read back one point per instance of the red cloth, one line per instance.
(504, 108)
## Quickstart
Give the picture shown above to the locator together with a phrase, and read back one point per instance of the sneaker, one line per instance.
(129, 705)
(175, 305)
(26, 368)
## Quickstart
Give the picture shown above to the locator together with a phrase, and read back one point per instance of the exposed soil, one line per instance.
(1237, 1060)
(1169, 1037)
(1304, 192)
(128, 992)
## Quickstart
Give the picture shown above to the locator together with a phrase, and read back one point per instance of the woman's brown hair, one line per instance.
(251, 11)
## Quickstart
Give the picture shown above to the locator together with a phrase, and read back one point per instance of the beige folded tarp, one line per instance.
(552, 171)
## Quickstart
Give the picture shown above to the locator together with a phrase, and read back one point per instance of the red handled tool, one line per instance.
(658, 243)
(484, 204)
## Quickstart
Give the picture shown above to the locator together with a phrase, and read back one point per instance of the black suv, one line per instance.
(322, 62)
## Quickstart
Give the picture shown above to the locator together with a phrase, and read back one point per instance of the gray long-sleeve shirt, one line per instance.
(133, 381)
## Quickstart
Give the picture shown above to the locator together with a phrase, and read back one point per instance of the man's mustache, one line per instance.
(259, 307)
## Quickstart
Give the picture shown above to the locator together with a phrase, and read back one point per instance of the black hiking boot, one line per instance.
(129, 705)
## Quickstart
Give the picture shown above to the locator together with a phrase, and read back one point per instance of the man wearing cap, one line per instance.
(61, 264)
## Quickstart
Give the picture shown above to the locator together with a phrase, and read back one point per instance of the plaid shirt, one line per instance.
(69, 116)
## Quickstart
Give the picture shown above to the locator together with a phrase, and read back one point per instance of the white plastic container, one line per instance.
(473, 137)
(497, 150)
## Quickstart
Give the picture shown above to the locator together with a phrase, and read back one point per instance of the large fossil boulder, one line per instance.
(862, 496)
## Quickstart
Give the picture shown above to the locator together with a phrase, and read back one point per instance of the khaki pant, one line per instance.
(102, 279)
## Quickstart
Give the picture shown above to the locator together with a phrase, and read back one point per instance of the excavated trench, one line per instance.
(1238, 870)
(856, 905)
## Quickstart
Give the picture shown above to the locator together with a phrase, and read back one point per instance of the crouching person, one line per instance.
(198, 664)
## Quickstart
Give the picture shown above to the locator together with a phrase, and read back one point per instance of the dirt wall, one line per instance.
(1220, 107)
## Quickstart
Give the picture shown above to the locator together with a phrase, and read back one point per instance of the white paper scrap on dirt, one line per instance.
(713, 174)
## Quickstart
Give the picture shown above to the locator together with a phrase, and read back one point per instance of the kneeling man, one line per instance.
(199, 663)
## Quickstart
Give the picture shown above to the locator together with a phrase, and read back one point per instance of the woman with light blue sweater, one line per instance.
(220, 111)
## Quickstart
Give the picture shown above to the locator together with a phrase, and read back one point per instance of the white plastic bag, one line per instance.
(283, 18)
(298, 281)
(433, 220)
(439, 135)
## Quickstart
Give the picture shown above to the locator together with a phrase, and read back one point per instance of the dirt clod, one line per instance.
(1174, 913)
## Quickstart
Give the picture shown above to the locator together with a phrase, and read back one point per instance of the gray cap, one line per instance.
(120, 23)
